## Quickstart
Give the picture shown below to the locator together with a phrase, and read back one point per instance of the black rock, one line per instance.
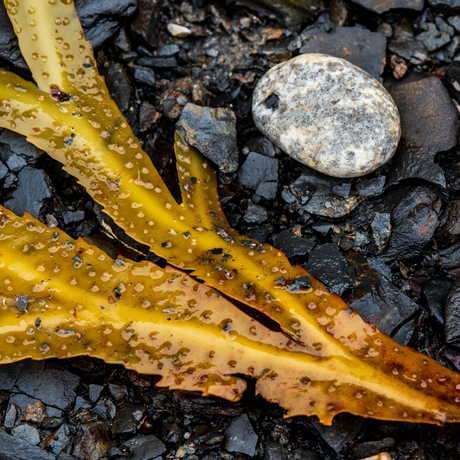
(27, 432)
(342, 190)
(240, 436)
(432, 38)
(429, 124)
(3, 171)
(385, 306)
(312, 192)
(50, 383)
(15, 163)
(118, 392)
(213, 133)
(13, 448)
(18, 144)
(367, 449)
(380, 6)
(11, 416)
(143, 75)
(158, 62)
(94, 391)
(258, 169)
(73, 216)
(144, 447)
(255, 214)
(169, 49)
(292, 245)
(103, 19)
(343, 429)
(119, 86)
(357, 45)
(62, 439)
(414, 221)
(127, 419)
(452, 314)
(274, 451)
(32, 194)
(327, 263)
(381, 229)
(371, 187)
(434, 294)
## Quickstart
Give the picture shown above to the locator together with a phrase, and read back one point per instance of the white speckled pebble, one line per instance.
(328, 114)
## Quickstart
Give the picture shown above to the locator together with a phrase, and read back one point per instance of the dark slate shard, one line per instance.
(431, 37)
(322, 201)
(361, 47)
(449, 259)
(267, 190)
(119, 85)
(452, 314)
(11, 416)
(327, 263)
(3, 171)
(15, 163)
(13, 448)
(381, 229)
(255, 214)
(213, 133)
(169, 49)
(303, 454)
(81, 403)
(343, 429)
(144, 447)
(369, 448)
(274, 451)
(50, 383)
(292, 245)
(61, 440)
(381, 6)
(118, 392)
(103, 19)
(126, 420)
(73, 216)
(414, 221)
(32, 194)
(385, 306)
(434, 294)
(240, 436)
(411, 50)
(9, 48)
(18, 144)
(258, 169)
(451, 4)
(371, 187)
(342, 190)
(158, 62)
(94, 391)
(26, 432)
(143, 75)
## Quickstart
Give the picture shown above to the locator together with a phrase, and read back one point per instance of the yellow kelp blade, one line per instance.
(61, 298)
(53, 44)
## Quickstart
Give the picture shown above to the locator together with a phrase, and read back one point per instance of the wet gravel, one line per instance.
(389, 242)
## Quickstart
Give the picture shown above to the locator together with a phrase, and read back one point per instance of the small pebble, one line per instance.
(178, 31)
(328, 114)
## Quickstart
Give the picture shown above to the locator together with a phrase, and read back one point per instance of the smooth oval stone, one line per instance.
(328, 114)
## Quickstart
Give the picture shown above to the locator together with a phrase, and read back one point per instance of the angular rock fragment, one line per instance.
(292, 245)
(258, 170)
(381, 229)
(429, 124)
(380, 6)
(452, 314)
(361, 47)
(327, 114)
(213, 133)
(327, 264)
(241, 437)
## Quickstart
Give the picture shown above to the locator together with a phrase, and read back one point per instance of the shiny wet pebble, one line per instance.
(328, 114)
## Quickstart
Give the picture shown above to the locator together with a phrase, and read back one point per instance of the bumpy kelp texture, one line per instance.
(71, 116)
(61, 297)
